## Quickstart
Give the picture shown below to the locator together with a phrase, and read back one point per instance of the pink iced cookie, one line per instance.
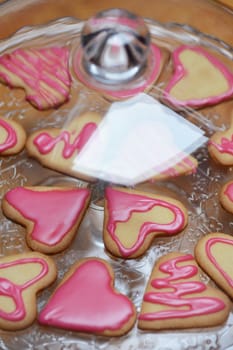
(58, 148)
(21, 277)
(199, 79)
(86, 301)
(51, 215)
(12, 137)
(176, 298)
(42, 73)
(214, 253)
(220, 146)
(132, 219)
(226, 196)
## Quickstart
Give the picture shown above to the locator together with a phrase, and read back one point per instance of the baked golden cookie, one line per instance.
(214, 253)
(51, 215)
(22, 276)
(86, 301)
(176, 298)
(220, 146)
(12, 137)
(42, 73)
(58, 148)
(226, 196)
(133, 218)
(199, 79)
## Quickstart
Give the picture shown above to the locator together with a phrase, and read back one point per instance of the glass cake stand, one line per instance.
(199, 192)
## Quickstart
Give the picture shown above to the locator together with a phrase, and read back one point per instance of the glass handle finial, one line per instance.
(115, 46)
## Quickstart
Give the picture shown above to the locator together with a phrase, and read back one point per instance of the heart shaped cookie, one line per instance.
(214, 253)
(51, 215)
(199, 79)
(21, 277)
(58, 148)
(12, 137)
(133, 218)
(86, 301)
(176, 298)
(226, 196)
(42, 73)
(220, 146)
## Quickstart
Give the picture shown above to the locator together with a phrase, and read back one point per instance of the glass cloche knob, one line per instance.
(115, 46)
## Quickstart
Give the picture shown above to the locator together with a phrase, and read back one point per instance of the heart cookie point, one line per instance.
(87, 302)
(42, 73)
(133, 218)
(199, 79)
(214, 253)
(175, 297)
(58, 149)
(51, 215)
(21, 277)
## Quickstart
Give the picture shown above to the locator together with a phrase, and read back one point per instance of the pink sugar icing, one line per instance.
(229, 191)
(53, 212)
(225, 146)
(45, 143)
(39, 68)
(14, 291)
(122, 205)
(11, 138)
(124, 93)
(209, 244)
(86, 302)
(180, 72)
(182, 305)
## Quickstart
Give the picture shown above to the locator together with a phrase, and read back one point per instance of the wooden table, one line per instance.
(205, 15)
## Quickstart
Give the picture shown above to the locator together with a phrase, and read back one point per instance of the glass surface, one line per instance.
(199, 193)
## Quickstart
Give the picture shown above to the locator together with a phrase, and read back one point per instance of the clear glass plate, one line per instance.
(199, 192)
